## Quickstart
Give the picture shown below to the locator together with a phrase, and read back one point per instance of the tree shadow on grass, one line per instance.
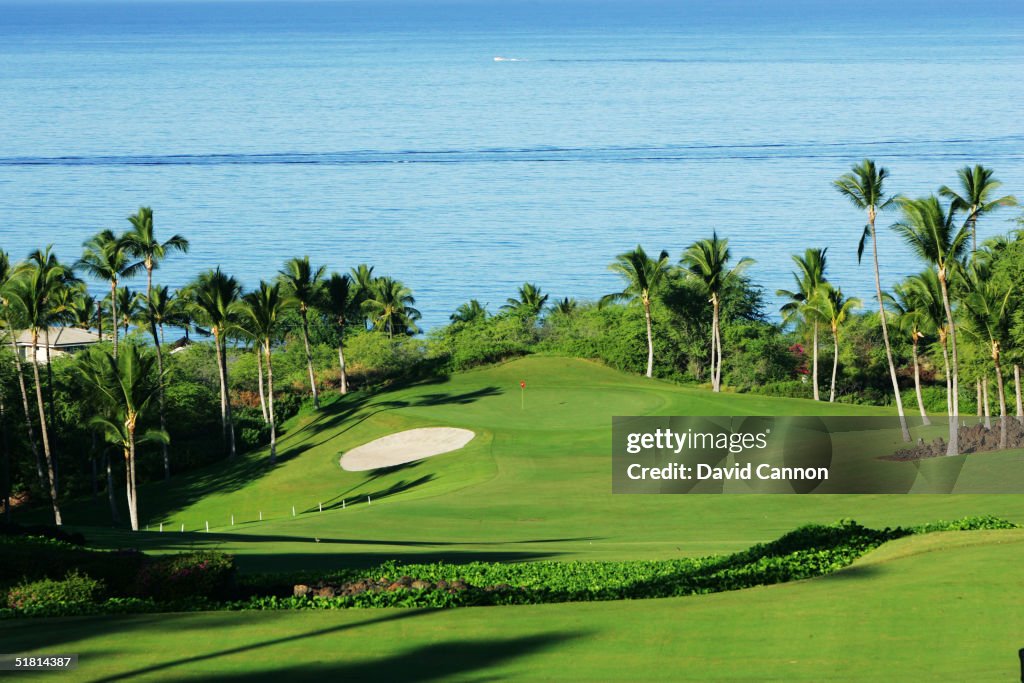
(473, 660)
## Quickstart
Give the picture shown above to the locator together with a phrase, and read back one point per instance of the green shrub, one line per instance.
(73, 590)
(205, 574)
(30, 558)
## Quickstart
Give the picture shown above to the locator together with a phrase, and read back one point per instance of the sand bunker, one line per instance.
(403, 447)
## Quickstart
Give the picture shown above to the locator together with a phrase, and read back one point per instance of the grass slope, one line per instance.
(936, 607)
(534, 484)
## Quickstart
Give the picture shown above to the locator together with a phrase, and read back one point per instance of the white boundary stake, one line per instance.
(161, 527)
(293, 510)
(182, 527)
(368, 501)
(232, 520)
(321, 507)
(207, 526)
(342, 503)
(261, 515)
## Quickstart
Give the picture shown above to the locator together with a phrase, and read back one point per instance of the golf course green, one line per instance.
(535, 484)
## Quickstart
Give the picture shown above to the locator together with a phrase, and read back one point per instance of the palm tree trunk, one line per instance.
(977, 384)
(259, 384)
(917, 386)
(954, 422)
(53, 413)
(835, 364)
(113, 312)
(1002, 395)
(984, 402)
(341, 360)
(270, 400)
(42, 426)
(949, 379)
(115, 516)
(309, 360)
(28, 414)
(716, 347)
(160, 393)
(6, 445)
(885, 332)
(1017, 391)
(814, 363)
(129, 457)
(650, 339)
(225, 400)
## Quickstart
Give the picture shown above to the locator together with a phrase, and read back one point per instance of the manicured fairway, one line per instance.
(936, 607)
(533, 484)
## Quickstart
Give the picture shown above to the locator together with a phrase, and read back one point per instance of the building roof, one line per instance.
(59, 337)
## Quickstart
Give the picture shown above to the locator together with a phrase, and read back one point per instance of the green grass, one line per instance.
(534, 483)
(935, 607)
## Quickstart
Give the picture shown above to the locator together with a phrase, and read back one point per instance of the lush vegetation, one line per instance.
(206, 579)
(949, 339)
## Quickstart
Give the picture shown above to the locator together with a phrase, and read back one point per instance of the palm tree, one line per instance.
(706, 262)
(530, 299)
(644, 276)
(12, 324)
(129, 307)
(302, 284)
(928, 301)
(565, 306)
(363, 283)
(31, 292)
(977, 185)
(82, 309)
(830, 305)
(929, 232)
(124, 389)
(469, 312)
(810, 277)
(213, 300)
(106, 257)
(987, 305)
(390, 307)
(141, 243)
(159, 308)
(911, 319)
(338, 298)
(261, 314)
(864, 187)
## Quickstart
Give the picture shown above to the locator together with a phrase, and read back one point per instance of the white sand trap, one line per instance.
(403, 447)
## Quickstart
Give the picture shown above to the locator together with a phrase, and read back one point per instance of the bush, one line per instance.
(31, 558)
(204, 574)
(73, 590)
(44, 531)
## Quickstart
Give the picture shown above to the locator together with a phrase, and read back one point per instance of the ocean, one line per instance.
(467, 147)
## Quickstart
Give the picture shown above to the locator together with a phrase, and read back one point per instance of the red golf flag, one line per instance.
(522, 384)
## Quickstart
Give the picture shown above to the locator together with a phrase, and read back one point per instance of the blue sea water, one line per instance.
(384, 131)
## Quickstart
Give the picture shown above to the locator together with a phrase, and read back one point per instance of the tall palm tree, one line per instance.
(31, 292)
(644, 276)
(302, 284)
(363, 283)
(977, 185)
(864, 186)
(338, 298)
(469, 312)
(911, 319)
(530, 299)
(106, 257)
(390, 307)
(158, 308)
(706, 262)
(82, 308)
(987, 308)
(830, 305)
(124, 389)
(261, 313)
(141, 242)
(929, 231)
(810, 278)
(213, 300)
(12, 324)
(928, 301)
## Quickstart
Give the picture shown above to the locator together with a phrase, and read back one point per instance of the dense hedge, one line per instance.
(199, 581)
